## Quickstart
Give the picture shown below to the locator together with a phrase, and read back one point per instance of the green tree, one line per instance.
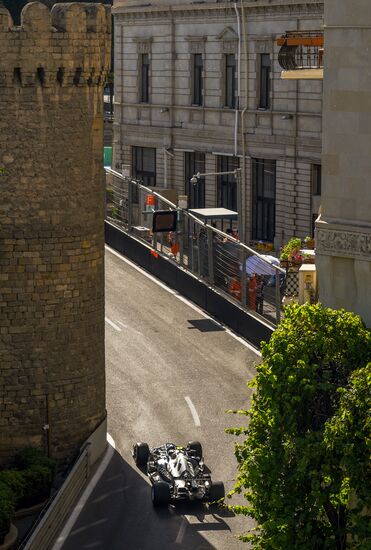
(303, 464)
(347, 440)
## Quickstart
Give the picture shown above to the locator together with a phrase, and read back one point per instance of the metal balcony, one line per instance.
(301, 54)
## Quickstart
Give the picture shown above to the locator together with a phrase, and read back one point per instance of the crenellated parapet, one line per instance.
(67, 46)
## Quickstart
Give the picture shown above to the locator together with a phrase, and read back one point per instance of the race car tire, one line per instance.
(196, 447)
(217, 491)
(160, 493)
(141, 454)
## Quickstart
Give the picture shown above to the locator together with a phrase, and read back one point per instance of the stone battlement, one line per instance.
(67, 46)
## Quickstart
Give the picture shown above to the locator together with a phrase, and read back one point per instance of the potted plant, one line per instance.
(291, 252)
(309, 243)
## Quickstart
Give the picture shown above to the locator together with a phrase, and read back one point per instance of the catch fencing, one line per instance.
(232, 268)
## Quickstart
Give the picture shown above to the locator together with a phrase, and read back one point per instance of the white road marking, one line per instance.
(112, 324)
(86, 494)
(130, 328)
(194, 413)
(185, 301)
(181, 533)
(107, 495)
(89, 526)
(135, 266)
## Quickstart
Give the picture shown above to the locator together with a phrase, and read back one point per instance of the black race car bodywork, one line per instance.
(177, 473)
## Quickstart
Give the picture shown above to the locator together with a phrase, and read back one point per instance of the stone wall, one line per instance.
(52, 71)
(289, 132)
(344, 229)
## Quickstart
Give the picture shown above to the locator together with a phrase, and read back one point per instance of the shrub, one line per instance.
(30, 456)
(15, 481)
(38, 480)
(7, 509)
(37, 472)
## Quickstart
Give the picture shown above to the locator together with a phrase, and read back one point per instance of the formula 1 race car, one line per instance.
(177, 473)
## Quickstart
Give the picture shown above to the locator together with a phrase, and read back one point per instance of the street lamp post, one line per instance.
(237, 174)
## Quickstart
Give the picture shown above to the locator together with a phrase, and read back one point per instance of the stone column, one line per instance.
(344, 227)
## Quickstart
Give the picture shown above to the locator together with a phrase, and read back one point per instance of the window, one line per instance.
(227, 184)
(263, 200)
(193, 163)
(316, 179)
(144, 78)
(265, 84)
(230, 81)
(197, 79)
(144, 165)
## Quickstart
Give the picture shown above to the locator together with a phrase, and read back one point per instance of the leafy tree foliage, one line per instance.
(347, 438)
(303, 466)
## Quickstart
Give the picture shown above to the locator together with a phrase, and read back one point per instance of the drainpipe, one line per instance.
(165, 169)
(167, 154)
(296, 124)
(168, 141)
(238, 80)
(243, 143)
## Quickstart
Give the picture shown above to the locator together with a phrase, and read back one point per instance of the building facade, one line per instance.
(52, 371)
(198, 89)
(344, 227)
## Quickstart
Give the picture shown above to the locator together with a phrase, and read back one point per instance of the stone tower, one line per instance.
(52, 71)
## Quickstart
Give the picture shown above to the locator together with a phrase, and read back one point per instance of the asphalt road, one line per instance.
(171, 375)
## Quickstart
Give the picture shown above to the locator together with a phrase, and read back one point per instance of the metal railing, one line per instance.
(301, 50)
(221, 261)
(47, 525)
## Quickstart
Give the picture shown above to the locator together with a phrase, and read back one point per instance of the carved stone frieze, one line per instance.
(344, 243)
(284, 7)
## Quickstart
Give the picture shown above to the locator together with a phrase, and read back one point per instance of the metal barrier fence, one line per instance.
(47, 526)
(242, 275)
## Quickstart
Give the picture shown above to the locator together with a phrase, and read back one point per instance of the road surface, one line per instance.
(171, 375)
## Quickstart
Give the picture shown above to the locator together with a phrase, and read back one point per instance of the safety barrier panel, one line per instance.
(254, 281)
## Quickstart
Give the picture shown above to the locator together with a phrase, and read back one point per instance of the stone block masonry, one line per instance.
(52, 71)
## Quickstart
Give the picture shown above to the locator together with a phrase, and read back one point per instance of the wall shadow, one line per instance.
(119, 515)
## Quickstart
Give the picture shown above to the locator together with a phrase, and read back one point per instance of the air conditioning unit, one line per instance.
(126, 170)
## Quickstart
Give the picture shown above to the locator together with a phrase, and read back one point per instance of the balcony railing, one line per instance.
(301, 51)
